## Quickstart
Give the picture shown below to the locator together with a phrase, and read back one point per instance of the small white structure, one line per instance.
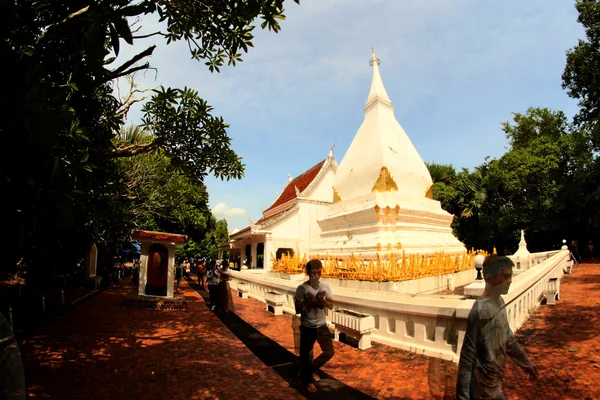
(242, 289)
(552, 292)
(354, 324)
(157, 262)
(522, 257)
(275, 301)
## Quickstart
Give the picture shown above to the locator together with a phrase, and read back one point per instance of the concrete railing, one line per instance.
(434, 325)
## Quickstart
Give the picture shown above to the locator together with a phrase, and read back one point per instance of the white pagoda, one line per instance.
(382, 197)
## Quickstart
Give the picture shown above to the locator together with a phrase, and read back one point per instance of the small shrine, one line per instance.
(157, 262)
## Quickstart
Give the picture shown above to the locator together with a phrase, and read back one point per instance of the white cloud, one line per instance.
(224, 209)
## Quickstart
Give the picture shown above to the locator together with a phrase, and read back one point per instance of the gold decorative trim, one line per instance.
(378, 246)
(385, 182)
(399, 246)
(389, 247)
(429, 193)
(377, 209)
(336, 196)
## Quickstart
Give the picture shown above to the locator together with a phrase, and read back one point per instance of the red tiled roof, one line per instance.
(265, 219)
(301, 181)
(246, 229)
(159, 236)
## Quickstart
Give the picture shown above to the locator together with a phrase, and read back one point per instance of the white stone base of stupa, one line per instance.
(383, 222)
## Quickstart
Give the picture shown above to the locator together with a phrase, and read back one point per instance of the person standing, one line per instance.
(201, 272)
(311, 298)
(574, 249)
(489, 339)
(187, 269)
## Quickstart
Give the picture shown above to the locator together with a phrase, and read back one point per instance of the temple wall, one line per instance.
(434, 325)
(323, 191)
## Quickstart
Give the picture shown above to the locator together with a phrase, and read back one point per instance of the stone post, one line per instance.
(268, 262)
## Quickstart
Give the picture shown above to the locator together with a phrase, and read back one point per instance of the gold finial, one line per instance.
(374, 58)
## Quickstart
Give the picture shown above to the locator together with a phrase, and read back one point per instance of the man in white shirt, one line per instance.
(311, 299)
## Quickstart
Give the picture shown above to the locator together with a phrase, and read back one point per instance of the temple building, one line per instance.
(378, 200)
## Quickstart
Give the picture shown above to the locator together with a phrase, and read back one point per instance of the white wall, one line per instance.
(433, 325)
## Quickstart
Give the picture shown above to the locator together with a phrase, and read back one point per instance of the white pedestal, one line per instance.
(550, 296)
(364, 338)
(274, 302)
(273, 308)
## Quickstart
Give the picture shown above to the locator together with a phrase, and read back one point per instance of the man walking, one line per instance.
(489, 340)
(311, 299)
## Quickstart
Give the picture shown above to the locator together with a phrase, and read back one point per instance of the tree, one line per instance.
(462, 194)
(59, 114)
(161, 197)
(536, 185)
(545, 184)
(222, 232)
(581, 76)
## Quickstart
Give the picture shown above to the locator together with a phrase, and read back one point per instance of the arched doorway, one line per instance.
(248, 254)
(157, 270)
(260, 255)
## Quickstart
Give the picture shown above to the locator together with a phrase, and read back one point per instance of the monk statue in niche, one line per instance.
(157, 271)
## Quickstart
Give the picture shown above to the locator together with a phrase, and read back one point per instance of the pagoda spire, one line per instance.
(377, 91)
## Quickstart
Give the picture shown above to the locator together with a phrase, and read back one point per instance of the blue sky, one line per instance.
(454, 70)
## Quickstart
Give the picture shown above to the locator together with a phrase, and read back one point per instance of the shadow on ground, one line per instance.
(282, 360)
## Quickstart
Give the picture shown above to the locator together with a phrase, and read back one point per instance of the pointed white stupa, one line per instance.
(381, 142)
(382, 191)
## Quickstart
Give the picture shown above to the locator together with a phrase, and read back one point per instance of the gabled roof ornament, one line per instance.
(330, 155)
(289, 178)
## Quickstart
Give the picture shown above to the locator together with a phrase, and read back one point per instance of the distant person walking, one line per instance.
(201, 272)
(187, 269)
(213, 280)
(590, 250)
(574, 249)
(489, 340)
(311, 298)
(226, 300)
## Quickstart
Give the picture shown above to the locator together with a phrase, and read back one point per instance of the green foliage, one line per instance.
(538, 185)
(581, 76)
(222, 232)
(532, 184)
(59, 115)
(194, 140)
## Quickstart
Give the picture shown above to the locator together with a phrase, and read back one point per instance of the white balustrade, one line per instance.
(430, 324)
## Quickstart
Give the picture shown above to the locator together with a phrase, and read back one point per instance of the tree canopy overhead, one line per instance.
(59, 114)
(581, 76)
